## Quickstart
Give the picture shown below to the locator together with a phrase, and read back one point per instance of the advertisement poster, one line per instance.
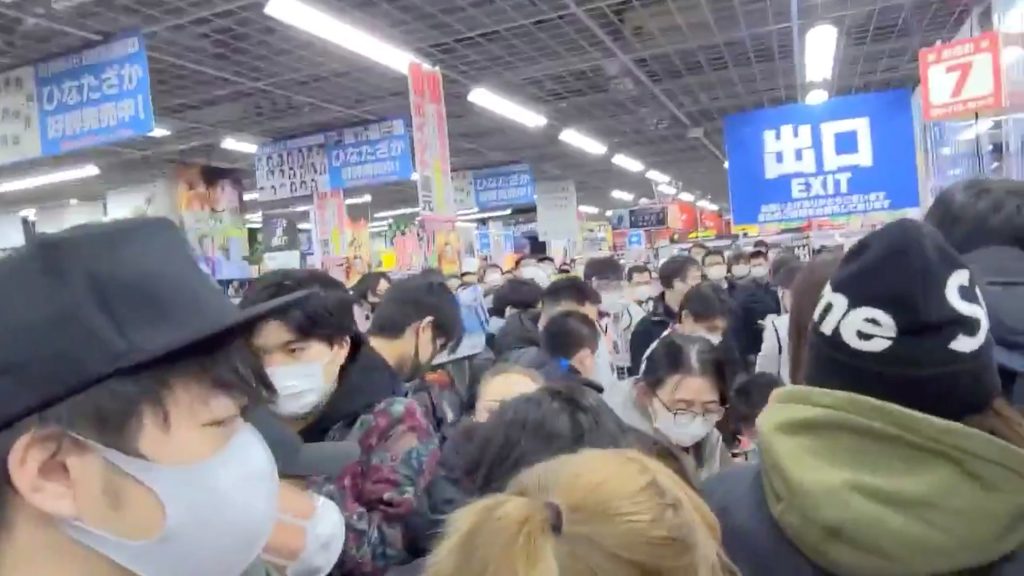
(850, 155)
(87, 98)
(291, 168)
(961, 78)
(646, 217)
(329, 210)
(442, 245)
(557, 217)
(209, 200)
(430, 137)
(408, 254)
(368, 154)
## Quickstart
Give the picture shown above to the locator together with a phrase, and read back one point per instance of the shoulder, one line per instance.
(392, 417)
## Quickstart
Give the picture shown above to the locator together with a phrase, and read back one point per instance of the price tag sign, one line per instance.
(961, 78)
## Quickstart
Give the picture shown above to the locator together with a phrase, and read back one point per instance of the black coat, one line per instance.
(648, 330)
(753, 301)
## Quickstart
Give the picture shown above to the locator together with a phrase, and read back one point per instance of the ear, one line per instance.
(44, 467)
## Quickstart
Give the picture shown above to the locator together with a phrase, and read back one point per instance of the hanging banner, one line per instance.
(430, 137)
(557, 217)
(635, 240)
(80, 100)
(368, 154)
(961, 78)
(291, 168)
(647, 217)
(209, 201)
(504, 187)
(280, 233)
(329, 210)
(462, 188)
(852, 154)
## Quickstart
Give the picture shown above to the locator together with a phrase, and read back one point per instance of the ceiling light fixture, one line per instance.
(631, 164)
(623, 195)
(467, 211)
(820, 52)
(398, 212)
(816, 96)
(364, 199)
(667, 189)
(236, 145)
(304, 226)
(686, 197)
(28, 213)
(73, 202)
(655, 176)
(608, 213)
(78, 173)
(486, 99)
(254, 216)
(383, 222)
(254, 225)
(250, 196)
(329, 27)
(482, 215)
(583, 142)
(303, 208)
(465, 225)
(159, 132)
(415, 177)
(707, 205)
(586, 209)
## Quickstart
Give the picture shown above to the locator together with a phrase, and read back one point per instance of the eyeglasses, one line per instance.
(715, 413)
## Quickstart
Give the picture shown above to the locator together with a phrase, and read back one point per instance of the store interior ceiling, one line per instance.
(652, 78)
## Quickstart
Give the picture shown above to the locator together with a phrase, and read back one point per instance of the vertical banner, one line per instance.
(430, 138)
(557, 217)
(210, 200)
(291, 168)
(329, 213)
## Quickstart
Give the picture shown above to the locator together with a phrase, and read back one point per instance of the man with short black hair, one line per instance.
(621, 318)
(698, 250)
(677, 275)
(571, 340)
(755, 299)
(715, 268)
(705, 312)
(124, 373)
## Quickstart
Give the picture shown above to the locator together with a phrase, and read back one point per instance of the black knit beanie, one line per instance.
(903, 321)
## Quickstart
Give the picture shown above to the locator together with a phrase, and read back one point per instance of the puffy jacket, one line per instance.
(520, 332)
(1000, 273)
(648, 330)
(852, 486)
(754, 300)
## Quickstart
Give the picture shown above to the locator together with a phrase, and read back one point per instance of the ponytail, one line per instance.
(510, 531)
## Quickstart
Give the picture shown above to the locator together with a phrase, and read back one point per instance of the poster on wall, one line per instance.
(209, 201)
(557, 215)
(291, 168)
(852, 154)
(369, 154)
(430, 137)
(87, 98)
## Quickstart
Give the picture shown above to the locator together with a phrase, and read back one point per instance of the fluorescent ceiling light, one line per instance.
(239, 146)
(969, 133)
(78, 173)
(249, 196)
(667, 189)
(305, 226)
(623, 195)
(582, 141)
(415, 176)
(631, 164)
(73, 202)
(398, 212)
(486, 99)
(364, 199)
(254, 225)
(383, 222)
(725, 164)
(305, 208)
(816, 96)
(655, 176)
(254, 215)
(588, 209)
(465, 225)
(608, 212)
(468, 211)
(159, 132)
(482, 215)
(643, 201)
(330, 28)
(29, 213)
(820, 52)
(707, 205)
(686, 197)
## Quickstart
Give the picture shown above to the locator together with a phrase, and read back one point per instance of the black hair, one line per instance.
(710, 253)
(411, 300)
(431, 275)
(567, 333)
(519, 260)
(494, 266)
(786, 274)
(750, 396)
(705, 302)
(369, 283)
(738, 257)
(636, 269)
(570, 290)
(980, 213)
(111, 412)
(677, 354)
(605, 268)
(545, 258)
(758, 255)
(676, 268)
(782, 262)
(555, 420)
(762, 245)
(325, 314)
(518, 294)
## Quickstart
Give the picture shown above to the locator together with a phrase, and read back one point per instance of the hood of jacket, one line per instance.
(999, 271)
(864, 487)
(520, 331)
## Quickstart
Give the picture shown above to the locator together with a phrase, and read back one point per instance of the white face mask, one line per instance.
(492, 280)
(300, 388)
(325, 538)
(613, 302)
(218, 513)
(684, 430)
(740, 271)
(641, 293)
(759, 271)
(716, 272)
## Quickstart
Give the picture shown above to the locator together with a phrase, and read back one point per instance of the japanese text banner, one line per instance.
(368, 154)
(849, 155)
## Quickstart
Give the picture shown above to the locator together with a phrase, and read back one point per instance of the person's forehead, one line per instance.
(694, 388)
(273, 334)
(716, 259)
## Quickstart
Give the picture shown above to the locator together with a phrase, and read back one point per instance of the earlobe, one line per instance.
(42, 475)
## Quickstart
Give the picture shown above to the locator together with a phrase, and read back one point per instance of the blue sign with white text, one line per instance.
(93, 97)
(504, 187)
(849, 155)
(483, 242)
(368, 154)
(635, 239)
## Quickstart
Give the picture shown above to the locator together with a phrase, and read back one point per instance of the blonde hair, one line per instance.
(594, 513)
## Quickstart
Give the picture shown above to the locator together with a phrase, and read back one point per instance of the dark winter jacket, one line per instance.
(852, 486)
(753, 301)
(648, 330)
(1000, 273)
(520, 332)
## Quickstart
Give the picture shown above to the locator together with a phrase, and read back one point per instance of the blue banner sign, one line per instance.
(483, 242)
(849, 155)
(89, 98)
(504, 187)
(635, 240)
(368, 154)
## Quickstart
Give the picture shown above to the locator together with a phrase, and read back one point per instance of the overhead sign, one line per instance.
(291, 168)
(852, 154)
(374, 153)
(430, 135)
(557, 216)
(961, 78)
(635, 240)
(648, 217)
(88, 98)
(483, 242)
(504, 187)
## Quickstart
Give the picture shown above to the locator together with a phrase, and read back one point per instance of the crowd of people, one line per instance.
(726, 413)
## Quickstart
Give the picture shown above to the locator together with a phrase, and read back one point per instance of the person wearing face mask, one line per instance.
(756, 299)
(698, 250)
(124, 376)
(680, 396)
(774, 355)
(739, 267)
(511, 299)
(547, 264)
(368, 291)
(621, 317)
(570, 339)
(493, 277)
(676, 275)
(716, 270)
(641, 286)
